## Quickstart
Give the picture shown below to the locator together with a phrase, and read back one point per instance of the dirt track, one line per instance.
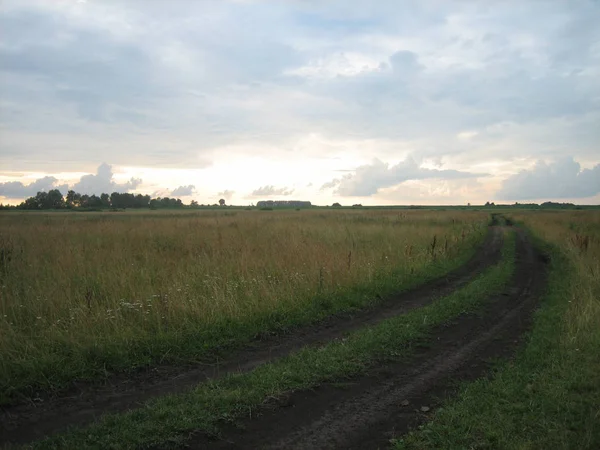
(370, 411)
(27, 422)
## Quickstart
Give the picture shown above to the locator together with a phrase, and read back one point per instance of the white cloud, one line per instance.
(342, 64)
(183, 191)
(16, 189)
(226, 194)
(271, 190)
(103, 181)
(185, 85)
(368, 179)
(559, 180)
(466, 135)
(330, 184)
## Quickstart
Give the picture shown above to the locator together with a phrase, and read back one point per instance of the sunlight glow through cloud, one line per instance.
(233, 96)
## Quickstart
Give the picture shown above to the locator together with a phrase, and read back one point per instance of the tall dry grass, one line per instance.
(117, 290)
(577, 234)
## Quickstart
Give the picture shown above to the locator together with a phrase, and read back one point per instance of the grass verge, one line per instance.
(170, 420)
(549, 396)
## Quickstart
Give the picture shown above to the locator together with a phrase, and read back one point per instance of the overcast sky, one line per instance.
(424, 102)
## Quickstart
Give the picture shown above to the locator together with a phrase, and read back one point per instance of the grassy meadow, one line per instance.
(549, 396)
(171, 421)
(83, 295)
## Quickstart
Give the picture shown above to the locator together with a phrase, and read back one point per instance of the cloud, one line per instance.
(330, 184)
(405, 63)
(152, 86)
(226, 194)
(103, 181)
(561, 179)
(90, 184)
(16, 189)
(183, 191)
(368, 179)
(466, 135)
(271, 190)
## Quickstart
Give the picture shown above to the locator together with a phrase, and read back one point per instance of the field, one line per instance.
(364, 321)
(85, 294)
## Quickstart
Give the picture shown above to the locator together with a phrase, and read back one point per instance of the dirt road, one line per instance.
(389, 400)
(82, 405)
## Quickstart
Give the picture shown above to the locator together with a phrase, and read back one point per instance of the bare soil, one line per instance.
(86, 402)
(393, 398)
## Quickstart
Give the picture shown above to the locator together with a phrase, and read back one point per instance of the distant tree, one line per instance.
(73, 199)
(55, 199)
(94, 202)
(105, 199)
(141, 201)
(164, 202)
(222, 202)
(336, 205)
(30, 203)
(41, 200)
(84, 201)
(194, 204)
(52, 199)
(115, 199)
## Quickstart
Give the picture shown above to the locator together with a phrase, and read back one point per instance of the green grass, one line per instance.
(169, 420)
(87, 295)
(549, 396)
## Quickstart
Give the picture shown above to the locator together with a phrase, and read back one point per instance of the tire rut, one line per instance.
(369, 411)
(27, 422)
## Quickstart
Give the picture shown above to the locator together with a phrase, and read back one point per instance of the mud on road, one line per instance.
(387, 402)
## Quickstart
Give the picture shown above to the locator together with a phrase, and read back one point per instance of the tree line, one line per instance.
(54, 199)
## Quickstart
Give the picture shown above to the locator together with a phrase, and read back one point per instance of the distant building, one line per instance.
(283, 204)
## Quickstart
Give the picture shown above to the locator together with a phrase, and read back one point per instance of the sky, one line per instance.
(417, 102)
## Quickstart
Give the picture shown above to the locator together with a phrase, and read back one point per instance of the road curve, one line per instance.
(386, 402)
(28, 422)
